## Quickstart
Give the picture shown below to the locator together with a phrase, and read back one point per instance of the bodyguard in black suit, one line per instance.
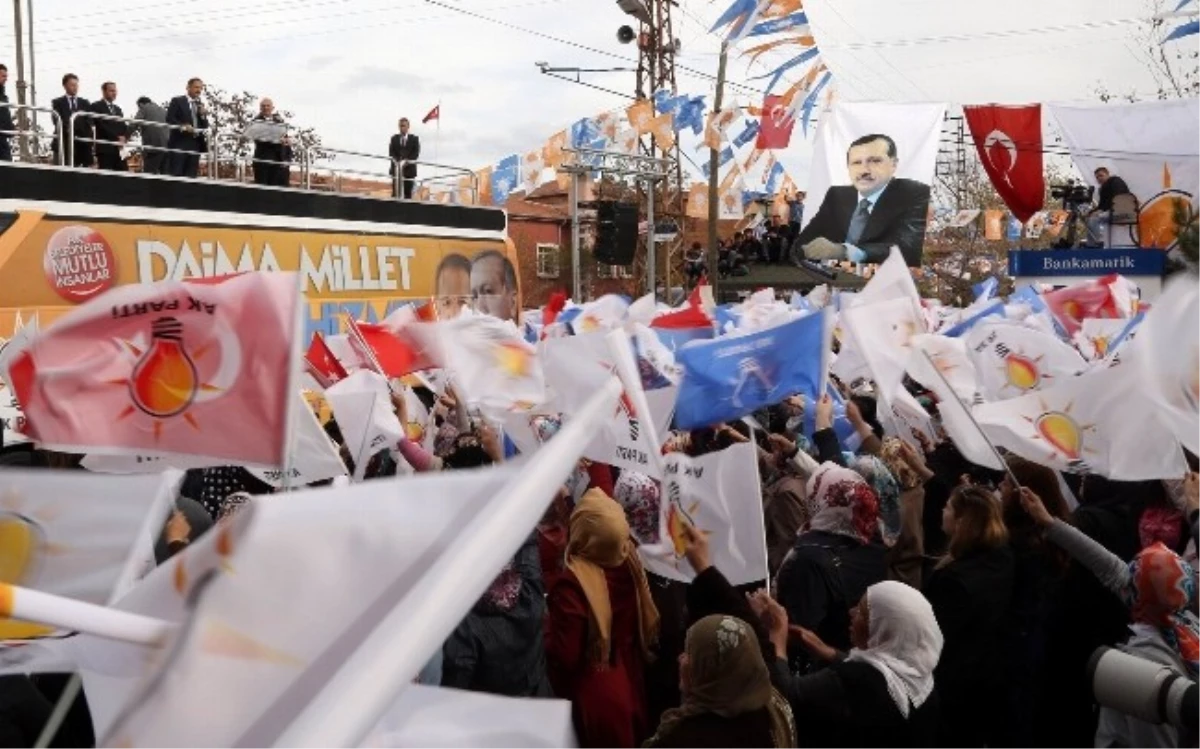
(861, 221)
(189, 113)
(404, 147)
(111, 131)
(65, 107)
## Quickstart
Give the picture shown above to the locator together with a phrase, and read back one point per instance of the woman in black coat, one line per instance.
(970, 590)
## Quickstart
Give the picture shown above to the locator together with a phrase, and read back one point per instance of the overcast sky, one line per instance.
(350, 68)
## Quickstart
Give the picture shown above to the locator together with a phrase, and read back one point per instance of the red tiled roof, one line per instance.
(519, 207)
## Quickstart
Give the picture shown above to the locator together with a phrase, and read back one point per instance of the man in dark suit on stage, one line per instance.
(65, 106)
(860, 222)
(111, 131)
(188, 112)
(404, 147)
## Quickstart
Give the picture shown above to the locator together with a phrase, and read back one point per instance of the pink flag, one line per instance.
(187, 368)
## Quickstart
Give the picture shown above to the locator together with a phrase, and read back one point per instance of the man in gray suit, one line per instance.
(153, 161)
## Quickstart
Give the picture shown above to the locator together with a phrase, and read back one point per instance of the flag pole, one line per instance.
(352, 700)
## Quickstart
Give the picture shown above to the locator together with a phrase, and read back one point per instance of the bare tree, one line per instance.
(1175, 66)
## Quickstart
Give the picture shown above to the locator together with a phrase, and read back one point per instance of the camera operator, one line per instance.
(1097, 219)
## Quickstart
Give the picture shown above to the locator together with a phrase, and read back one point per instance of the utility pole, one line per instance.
(22, 113)
(32, 72)
(714, 200)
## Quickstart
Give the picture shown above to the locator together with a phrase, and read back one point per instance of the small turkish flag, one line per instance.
(777, 122)
(434, 114)
(1009, 142)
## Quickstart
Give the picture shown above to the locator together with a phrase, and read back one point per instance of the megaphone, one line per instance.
(625, 34)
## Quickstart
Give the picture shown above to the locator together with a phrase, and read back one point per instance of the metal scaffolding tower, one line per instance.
(657, 47)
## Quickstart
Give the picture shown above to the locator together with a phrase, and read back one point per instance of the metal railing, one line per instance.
(225, 158)
(211, 156)
(22, 134)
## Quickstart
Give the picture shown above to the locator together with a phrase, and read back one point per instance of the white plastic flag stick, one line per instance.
(992, 447)
(65, 613)
(366, 686)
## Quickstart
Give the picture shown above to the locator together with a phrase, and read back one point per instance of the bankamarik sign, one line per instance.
(1127, 262)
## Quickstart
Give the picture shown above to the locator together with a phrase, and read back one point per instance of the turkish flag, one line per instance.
(775, 130)
(393, 353)
(1009, 142)
(322, 364)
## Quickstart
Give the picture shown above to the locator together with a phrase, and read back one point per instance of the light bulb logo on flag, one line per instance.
(22, 544)
(513, 359)
(1066, 436)
(1022, 372)
(678, 520)
(164, 381)
(178, 369)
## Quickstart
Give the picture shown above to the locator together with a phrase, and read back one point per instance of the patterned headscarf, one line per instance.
(840, 501)
(893, 456)
(1162, 594)
(887, 491)
(727, 677)
(639, 495)
(505, 590)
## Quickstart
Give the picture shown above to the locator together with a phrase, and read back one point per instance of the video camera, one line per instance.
(1143, 689)
(1073, 194)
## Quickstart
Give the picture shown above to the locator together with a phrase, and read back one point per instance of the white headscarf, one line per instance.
(903, 644)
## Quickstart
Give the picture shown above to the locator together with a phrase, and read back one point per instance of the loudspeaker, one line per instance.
(616, 233)
(625, 34)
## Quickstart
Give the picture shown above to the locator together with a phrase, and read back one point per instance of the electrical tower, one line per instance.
(657, 47)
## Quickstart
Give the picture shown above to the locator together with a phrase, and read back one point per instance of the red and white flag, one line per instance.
(777, 123)
(1009, 142)
(177, 367)
(434, 114)
(1099, 299)
(322, 364)
(393, 352)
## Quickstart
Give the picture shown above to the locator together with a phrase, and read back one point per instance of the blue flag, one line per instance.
(675, 338)
(990, 311)
(732, 376)
(986, 289)
(748, 134)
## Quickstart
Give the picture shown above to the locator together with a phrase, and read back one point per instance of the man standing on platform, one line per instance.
(110, 131)
(154, 139)
(190, 137)
(65, 107)
(405, 147)
(271, 156)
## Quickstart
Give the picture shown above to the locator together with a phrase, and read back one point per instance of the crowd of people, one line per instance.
(915, 599)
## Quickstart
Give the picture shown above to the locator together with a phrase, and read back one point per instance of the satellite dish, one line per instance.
(625, 34)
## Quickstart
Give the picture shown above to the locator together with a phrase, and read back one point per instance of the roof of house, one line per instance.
(518, 207)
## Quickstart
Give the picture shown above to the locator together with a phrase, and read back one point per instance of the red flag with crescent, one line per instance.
(1009, 142)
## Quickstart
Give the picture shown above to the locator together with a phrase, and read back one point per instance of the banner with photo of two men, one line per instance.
(869, 188)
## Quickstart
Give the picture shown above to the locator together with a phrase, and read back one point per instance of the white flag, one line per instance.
(718, 494)
(492, 364)
(70, 534)
(1167, 351)
(1013, 360)
(950, 359)
(883, 333)
(1102, 421)
(312, 456)
(433, 717)
(362, 405)
(952, 400)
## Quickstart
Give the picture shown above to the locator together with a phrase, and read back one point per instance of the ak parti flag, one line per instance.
(322, 364)
(1009, 142)
(199, 367)
(777, 123)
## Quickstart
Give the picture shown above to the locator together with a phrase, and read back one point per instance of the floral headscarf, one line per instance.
(639, 495)
(1162, 594)
(887, 491)
(840, 501)
(893, 456)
